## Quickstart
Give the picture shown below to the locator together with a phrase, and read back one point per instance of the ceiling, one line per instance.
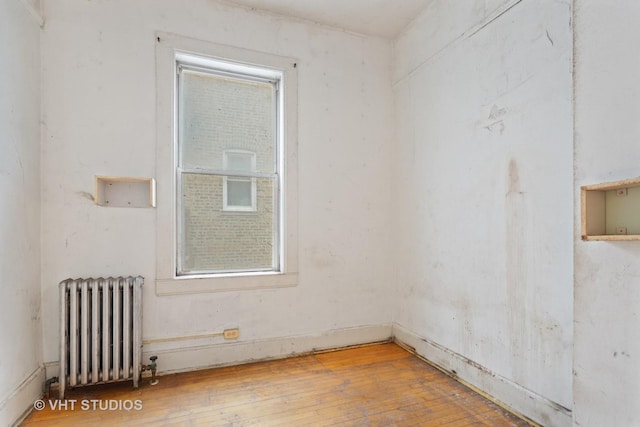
(382, 18)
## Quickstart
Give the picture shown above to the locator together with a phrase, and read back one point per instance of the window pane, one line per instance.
(239, 161)
(215, 240)
(219, 114)
(239, 192)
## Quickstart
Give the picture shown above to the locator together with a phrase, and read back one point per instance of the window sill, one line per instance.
(233, 212)
(198, 285)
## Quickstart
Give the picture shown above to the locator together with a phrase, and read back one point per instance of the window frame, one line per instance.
(169, 48)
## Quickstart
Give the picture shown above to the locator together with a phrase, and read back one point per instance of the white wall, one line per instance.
(21, 373)
(99, 118)
(607, 274)
(483, 197)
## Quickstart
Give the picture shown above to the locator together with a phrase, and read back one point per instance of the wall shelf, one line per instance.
(125, 192)
(611, 211)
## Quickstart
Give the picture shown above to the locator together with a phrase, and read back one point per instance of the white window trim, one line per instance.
(225, 179)
(168, 48)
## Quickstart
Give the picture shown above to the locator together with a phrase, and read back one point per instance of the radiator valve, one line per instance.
(153, 366)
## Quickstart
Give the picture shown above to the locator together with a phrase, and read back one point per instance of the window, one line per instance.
(239, 192)
(228, 149)
(227, 159)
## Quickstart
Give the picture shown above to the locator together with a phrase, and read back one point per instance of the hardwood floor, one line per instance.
(377, 385)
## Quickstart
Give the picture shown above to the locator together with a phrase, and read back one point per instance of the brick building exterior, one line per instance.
(222, 114)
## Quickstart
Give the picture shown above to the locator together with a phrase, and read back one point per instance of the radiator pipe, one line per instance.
(47, 385)
(153, 366)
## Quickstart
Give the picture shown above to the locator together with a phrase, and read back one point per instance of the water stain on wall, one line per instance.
(517, 262)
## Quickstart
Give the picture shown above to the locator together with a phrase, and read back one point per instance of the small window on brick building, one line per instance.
(238, 190)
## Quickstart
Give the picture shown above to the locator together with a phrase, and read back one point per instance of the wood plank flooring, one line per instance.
(377, 385)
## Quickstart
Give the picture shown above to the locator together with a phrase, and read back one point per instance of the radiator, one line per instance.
(100, 331)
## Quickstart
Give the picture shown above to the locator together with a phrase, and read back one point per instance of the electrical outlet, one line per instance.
(233, 334)
(621, 192)
(621, 230)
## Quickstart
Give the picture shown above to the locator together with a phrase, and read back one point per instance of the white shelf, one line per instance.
(125, 192)
(611, 211)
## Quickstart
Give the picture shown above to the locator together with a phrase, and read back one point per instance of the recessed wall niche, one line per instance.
(611, 211)
(125, 192)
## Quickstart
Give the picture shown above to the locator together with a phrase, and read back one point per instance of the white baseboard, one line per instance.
(189, 357)
(20, 402)
(504, 391)
(52, 369)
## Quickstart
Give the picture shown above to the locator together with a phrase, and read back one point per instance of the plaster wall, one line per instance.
(21, 372)
(483, 177)
(607, 274)
(99, 103)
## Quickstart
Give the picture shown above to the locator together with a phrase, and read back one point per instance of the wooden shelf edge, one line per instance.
(633, 182)
(613, 237)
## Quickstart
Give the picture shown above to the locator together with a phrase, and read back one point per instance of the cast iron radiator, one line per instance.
(100, 331)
